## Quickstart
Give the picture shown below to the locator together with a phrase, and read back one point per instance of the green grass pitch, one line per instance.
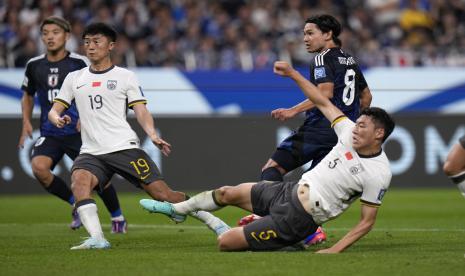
(418, 232)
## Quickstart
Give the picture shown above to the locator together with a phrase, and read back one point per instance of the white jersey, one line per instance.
(344, 175)
(102, 99)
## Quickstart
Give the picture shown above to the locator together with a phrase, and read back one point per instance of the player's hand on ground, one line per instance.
(26, 132)
(164, 146)
(283, 68)
(283, 114)
(62, 121)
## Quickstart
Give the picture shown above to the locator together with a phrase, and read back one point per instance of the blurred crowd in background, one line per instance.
(243, 34)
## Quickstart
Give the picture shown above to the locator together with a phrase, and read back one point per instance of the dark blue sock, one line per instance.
(110, 199)
(71, 200)
(271, 174)
(59, 188)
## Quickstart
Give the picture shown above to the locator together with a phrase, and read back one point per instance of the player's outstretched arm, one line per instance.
(283, 114)
(365, 98)
(366, 223)
(322, 102)
(54, 115)
(145, 120)
(27, 104)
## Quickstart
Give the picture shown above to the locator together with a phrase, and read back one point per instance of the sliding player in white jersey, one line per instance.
(355, 168)
(102, 93)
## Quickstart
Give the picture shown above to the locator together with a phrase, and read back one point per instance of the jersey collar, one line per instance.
(101, 72)
(370, 155)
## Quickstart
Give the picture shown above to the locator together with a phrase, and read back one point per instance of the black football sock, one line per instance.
(109, 197)
(59, 188)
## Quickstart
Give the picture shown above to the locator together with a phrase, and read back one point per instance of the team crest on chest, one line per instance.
(111, 84)
(52, 80)
(356, 169)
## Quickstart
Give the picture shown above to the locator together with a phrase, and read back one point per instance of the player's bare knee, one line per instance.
(39, 169)
(225, 195)
(81, 178)
(449, 168)
(224, 243)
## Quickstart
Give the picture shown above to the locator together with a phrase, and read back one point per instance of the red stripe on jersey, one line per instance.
(349, 156)
(96, 84)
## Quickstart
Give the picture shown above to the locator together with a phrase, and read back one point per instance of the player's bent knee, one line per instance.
(227, 195)
(233, 240)
(449, 168)
(39, 168)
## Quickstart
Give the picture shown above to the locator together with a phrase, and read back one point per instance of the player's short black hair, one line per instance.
(100, 28)
(326, 23)
(381, 119)
(59, 21)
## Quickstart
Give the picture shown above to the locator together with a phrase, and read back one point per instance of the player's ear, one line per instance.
(379, 133)
(328, 35)
(111, 46)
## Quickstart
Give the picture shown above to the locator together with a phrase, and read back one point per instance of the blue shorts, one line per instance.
(305, 144)
(56, 146)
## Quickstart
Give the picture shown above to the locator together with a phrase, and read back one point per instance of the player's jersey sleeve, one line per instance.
(362, 83)
(322, 71)
(374, 190)
(28, 82)
(66, 94)
(134, 91)
(343, 127)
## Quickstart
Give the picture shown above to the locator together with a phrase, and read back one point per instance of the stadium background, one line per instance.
(206, 68)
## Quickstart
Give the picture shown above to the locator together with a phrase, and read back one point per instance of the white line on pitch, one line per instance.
(200, 227)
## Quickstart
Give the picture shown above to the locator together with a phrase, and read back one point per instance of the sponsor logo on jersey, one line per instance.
(320, 73)
(52, 80)
(111, 84)
(96, 84)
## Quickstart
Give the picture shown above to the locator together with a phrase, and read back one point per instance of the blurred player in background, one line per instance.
(102, 93)
(44, 77)
(339, 78)
(355, 168)
(454, 167)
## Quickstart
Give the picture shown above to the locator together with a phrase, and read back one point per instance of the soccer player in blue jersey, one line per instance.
(44, 77)
(339, 78)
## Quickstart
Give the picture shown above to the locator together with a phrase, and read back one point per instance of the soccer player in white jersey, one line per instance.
(454, 167)
(102, 93)
(355, 168)
(43, 77)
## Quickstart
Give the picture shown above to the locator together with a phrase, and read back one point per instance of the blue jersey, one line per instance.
(341, 69)
(45, 78)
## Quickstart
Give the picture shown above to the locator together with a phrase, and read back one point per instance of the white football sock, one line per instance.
(203, 201)
(210, 220)
(89, 218)
(459, 180)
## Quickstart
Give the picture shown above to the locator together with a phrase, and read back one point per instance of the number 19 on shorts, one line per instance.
(141, 167)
